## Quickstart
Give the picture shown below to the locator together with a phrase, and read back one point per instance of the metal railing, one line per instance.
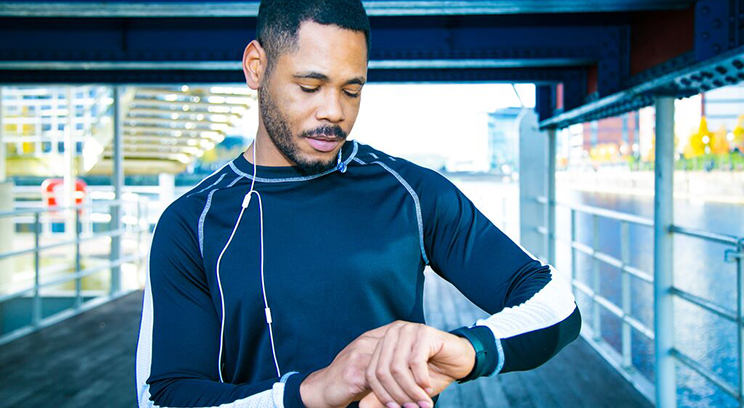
(623, 360)
(131, 226)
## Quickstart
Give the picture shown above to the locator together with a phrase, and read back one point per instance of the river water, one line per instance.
(699, 268)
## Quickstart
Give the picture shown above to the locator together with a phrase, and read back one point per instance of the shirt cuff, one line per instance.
(292, 398)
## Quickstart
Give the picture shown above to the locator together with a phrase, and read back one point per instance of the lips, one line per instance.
(323, 144)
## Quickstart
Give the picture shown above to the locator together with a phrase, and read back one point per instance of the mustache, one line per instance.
(331, 132)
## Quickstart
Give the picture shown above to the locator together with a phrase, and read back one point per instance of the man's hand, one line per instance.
(395, 363)
(343, 381)
(413, 356)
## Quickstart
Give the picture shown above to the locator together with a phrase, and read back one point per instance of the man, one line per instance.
(303, 285)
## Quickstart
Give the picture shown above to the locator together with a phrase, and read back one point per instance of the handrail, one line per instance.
(89, 237)
(75, 276)
(113, 262)
(708, 236)
(59, 208)
(602, 212)
(735, 255)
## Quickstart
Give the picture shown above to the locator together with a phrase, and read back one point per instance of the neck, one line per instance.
(267, 152)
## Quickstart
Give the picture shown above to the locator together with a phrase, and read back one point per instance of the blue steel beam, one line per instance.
(180, 8)
(716, 28)
(511, 75)
(456, 43)
(166, 50)
(421, 38)
(717, 60)
(724, 69)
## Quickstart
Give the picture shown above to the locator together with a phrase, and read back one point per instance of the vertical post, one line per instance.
(625, 293)
(3, 171)
(7, 226)
(36, 308)
(740, 315)
(166, 189)
(596, 310)
(117, 181)
(140, 229)
(594, 126)
(78, 279)
(574, 236)
(551, 195)
(666, 390)
(625, 137)
(69, 157)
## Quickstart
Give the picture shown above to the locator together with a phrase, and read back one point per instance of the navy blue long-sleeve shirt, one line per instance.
(344, 253)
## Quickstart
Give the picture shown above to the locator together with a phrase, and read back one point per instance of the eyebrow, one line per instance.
(322, 77)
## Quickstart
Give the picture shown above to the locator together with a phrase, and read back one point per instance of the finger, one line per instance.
(384, 371)
(379, 332)
(400, 366)
(419, 360)
(370, 401)
(372, 381)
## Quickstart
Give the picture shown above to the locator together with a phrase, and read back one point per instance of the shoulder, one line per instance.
(417, 176)
(185, 210)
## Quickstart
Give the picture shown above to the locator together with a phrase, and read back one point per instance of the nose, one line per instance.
(331, 108)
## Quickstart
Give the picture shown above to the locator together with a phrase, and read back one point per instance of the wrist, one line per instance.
(482, 341)
(469, 357)
(311, 392)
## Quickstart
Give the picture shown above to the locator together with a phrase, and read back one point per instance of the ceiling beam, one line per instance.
(374, 8)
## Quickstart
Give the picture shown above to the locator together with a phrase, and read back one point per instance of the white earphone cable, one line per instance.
(246, 200)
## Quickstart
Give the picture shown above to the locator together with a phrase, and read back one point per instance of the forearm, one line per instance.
(207, 393)
(541, 320)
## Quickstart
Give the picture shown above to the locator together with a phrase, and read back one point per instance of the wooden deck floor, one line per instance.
(88, 361)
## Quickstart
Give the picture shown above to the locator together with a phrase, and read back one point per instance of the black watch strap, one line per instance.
(485, 356)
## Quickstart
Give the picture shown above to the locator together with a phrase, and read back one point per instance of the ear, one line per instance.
(254, 64)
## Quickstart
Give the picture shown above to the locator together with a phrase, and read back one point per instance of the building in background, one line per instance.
(503, 141)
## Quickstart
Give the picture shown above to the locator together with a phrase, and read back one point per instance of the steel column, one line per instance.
(117, 181)
(625, 294)
(740, 315)
(666, 390)
(3, 171)
(78, 263)
(551, 195)
(574, 258)
(36, 306)
(69, 159)
(596, 309)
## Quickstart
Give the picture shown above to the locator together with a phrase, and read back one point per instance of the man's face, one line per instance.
(310, 101)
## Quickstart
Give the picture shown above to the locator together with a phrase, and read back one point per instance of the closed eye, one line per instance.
(308, 90)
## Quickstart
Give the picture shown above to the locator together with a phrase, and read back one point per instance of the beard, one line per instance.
(277, 126)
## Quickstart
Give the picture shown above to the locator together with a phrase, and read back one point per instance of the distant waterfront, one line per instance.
(699, 269)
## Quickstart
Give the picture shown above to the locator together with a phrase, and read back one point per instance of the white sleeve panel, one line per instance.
(549, 306)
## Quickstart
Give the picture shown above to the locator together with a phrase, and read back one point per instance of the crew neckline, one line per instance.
(348, 151)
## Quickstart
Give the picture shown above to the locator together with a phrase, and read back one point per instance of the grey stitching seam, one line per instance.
(204, 214)
(206, 178)
(208, 187)
(418, 206)
(291, 179)
(373, 155)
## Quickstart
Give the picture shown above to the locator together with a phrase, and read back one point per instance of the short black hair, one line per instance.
(280, 20)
